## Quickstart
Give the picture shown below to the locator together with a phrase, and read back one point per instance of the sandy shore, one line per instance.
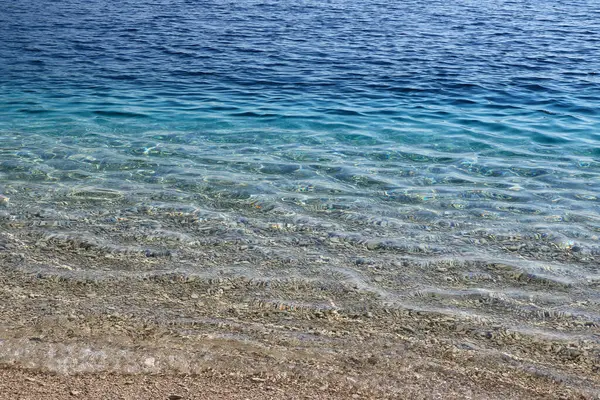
(62, 338)
(28, 384)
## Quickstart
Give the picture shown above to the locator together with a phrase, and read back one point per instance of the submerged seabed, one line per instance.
(343, 157)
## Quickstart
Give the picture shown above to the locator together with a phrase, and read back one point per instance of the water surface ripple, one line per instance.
(441, 155)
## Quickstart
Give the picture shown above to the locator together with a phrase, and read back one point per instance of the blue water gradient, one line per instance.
(427, 123)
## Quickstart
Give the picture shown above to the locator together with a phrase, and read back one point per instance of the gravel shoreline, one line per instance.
(145, 294)
(86, 336)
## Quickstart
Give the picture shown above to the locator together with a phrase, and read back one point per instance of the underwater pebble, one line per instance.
(373, 245)
(157, 253)
(149, 362)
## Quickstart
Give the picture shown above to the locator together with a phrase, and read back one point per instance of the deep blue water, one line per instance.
(440, 129)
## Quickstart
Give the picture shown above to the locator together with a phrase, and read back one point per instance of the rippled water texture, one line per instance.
(436, 154)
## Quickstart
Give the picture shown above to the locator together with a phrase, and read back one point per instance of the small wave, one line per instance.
(119, 114)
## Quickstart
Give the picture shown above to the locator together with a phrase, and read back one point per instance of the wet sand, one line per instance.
(31, 384)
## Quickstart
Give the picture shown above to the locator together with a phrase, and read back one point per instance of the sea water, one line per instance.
(457, 144)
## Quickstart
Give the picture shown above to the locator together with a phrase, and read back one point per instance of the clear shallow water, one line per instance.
(425, 134)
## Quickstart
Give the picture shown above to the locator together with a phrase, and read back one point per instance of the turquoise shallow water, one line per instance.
(426, 131)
